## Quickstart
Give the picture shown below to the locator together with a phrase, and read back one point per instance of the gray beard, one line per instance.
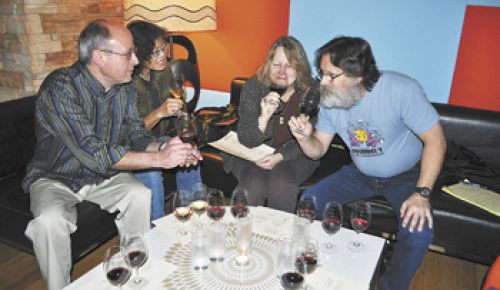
(341, 99)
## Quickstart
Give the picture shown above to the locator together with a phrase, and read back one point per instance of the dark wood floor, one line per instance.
(19, 270)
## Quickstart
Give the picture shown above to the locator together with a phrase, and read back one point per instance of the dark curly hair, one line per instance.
(145, 34)
(354, 56)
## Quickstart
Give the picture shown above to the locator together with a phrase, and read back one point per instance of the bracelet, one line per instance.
(161, 144)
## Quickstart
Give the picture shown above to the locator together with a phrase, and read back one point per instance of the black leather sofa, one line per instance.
(17, 141)
(461, 229)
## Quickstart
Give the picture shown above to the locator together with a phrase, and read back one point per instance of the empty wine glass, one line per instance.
(182, 210)
(135, 248)
(239, 202)
(331, 223)
(199, 202)
(360, 219)
(307, 260)
(306, 207)
(215, 209)
(116, 266)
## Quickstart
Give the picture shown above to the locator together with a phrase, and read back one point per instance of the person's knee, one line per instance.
(417, 239)
(48, 223)
(139, 193)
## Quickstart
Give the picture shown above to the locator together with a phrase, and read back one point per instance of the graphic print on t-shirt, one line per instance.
(365, 139)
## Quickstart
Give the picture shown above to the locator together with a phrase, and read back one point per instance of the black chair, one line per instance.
(187, 67)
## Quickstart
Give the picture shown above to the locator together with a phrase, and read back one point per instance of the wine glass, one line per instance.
(182, 210)
(310, 104)
(280, 91)
(307, 260)
(331, 223)
(360, 219)
(215, 209)
(306, 207)
(135, 248)
(239, 202)
(177, 88)
(116, 266)
(199, 199)
(186, 128)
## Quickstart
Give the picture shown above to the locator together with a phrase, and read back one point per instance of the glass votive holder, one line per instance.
(199, 248)
(244, 230)
(217, 241)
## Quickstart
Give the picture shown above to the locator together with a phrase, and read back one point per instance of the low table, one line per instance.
(169, 263)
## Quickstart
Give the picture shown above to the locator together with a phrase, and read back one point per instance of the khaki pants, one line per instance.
(53, 206)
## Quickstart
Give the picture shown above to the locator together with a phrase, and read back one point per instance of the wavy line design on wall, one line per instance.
(174, 17)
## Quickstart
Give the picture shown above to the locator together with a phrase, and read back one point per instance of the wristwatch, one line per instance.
(424, 191)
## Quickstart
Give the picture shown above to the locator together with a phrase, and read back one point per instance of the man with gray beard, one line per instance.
(395, 140)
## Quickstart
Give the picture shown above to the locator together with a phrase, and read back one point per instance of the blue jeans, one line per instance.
(349, 184)
(153, 179)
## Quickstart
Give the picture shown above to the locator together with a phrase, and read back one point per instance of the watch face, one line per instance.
(424, 191)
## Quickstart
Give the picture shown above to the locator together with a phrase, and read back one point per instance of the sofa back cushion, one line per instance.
(477, 130)
(17, 137)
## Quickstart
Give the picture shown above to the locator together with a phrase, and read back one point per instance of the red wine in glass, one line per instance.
(292, 280)
(216, 212)
(359, 224)
(118, 276)
(280, 91)
(239, 210)
(360, 219)
(306, 264)
(310, 105)
(309, 214)
(137, 258)
(188, 136)
(331, 226)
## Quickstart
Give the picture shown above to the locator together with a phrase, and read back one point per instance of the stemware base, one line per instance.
(328, 248)
(138, 283)
(356, 246)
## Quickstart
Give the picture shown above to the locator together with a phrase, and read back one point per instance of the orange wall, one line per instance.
(475, 82)
(245, 32)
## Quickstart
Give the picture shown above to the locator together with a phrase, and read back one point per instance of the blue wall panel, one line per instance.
(417, 37)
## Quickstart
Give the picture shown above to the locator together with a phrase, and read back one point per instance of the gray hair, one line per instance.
(93, 36)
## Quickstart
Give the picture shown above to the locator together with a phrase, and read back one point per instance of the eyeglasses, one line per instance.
(127, 55)
(328, 76)
(159, 52)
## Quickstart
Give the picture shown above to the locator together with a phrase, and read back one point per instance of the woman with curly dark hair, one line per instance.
(151, 80)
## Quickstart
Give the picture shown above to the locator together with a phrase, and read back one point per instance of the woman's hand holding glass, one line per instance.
(269, 104)
(171, 107)
(177, 90)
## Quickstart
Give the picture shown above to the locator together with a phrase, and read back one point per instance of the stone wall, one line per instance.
(38, 36)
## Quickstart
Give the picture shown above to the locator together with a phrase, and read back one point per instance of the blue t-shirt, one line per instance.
(381, 130)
